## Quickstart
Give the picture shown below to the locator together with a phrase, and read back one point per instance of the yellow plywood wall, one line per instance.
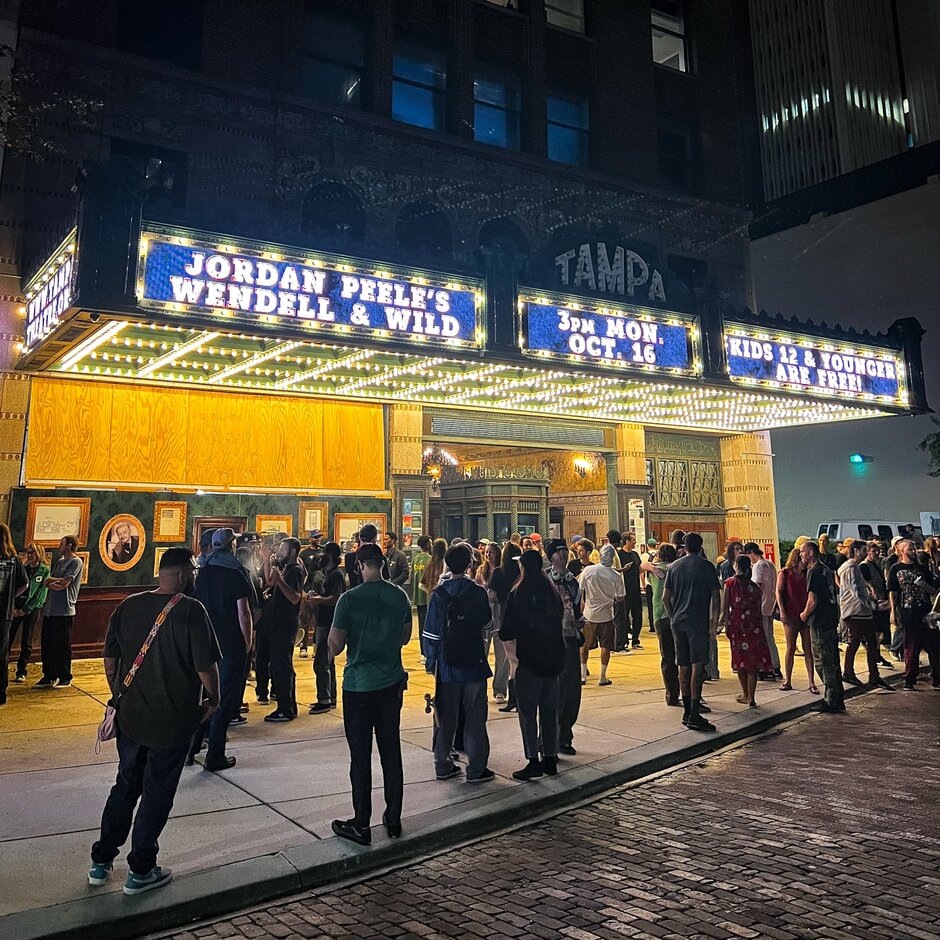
(96, 432)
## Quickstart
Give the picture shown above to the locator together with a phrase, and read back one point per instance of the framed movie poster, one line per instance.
(122, 542)
(312, 516)
(169, 522)
(86, 558)
(268, 525)
(348, 524)
(49, 518)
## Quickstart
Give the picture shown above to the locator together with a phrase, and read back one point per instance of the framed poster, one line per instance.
(268, 525)
(348, 524)
(49, 518)
(85, 557)
(122, 542)
(200, 523)
(157, 555)
(312, 516)
(169, 522)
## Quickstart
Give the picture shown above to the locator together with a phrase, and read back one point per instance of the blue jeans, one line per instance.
(151, 776)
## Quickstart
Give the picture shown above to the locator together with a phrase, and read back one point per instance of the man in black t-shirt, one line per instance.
(281, 617)
(822, 615)
(312, 560)
(225, 590)
(630, 562)
(157, 716)
(911, 587)
(324, 602)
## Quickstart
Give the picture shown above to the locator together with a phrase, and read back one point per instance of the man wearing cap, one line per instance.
(601, 588)
(282, 612)
(372, 622)
(225, 590)
(569, 682)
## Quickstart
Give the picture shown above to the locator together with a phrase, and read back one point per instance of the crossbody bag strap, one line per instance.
(151, 636)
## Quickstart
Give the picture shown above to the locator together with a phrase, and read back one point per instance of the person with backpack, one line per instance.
(458, 615)
(532, 628)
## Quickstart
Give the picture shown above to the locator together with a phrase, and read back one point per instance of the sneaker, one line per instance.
(44, 683)
(243, 708)
(698, 723)
(303, 652)
(278, 717)
(637, 646)
(485, 777)
(20, 677)
(98, 873)
(851, 679)
(263, 700)
(884, 662)
(881, 684)
(907, 687)
(454, 771)
(567, 750)
(935, 685)
(531, 771)
(62, 684)
(318, 708)
(155, 878)
(347, 829)
(238, 720)
(499, 697)
(227, 763)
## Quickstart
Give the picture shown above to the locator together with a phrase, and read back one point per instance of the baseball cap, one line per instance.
(607, 555)
(554, 545)
(315, 534)
(652, 542)
(535, 537)
(576, 538)
(223, 538)
(205, 539)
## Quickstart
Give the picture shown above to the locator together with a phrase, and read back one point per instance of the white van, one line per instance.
(857, 529)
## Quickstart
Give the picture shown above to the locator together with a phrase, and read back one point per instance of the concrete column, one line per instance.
(748, 481)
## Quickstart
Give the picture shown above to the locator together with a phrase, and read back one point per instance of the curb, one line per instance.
(229, 888)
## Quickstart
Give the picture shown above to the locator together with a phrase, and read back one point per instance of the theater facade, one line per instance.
(183, 379)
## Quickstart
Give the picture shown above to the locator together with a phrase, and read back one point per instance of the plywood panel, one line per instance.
(215, 436)
(353, 446)
(305, 443)
(70, 431)
(148, 434)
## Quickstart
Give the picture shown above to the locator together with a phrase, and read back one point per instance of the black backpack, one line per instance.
(463, 634)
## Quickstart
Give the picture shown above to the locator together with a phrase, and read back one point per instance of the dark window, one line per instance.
(669, 35)
(865, 531)
(164, 175)
(333, 66)
(676, 152)
(496, 107)
(169, 30)
(419, 87)
(568, 14)
(568, 127)
(884, 532)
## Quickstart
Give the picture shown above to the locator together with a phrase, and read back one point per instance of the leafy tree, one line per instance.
(28, 112)
(931, 446)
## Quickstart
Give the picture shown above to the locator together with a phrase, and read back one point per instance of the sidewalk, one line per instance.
(263, 828)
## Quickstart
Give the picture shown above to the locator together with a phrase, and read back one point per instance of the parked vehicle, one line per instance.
(877, 529)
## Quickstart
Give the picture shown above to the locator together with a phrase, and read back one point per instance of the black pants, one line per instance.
(649, 606)
(231, 689)
(24, 626)
(365, 713)
(882, 627)
(262, 661)
(4, 653)
(667, 659)
(634, 611)
(282, 669)
(569, 691)
(57, 648)
(144, 774)
(861, 629)
(324, 668)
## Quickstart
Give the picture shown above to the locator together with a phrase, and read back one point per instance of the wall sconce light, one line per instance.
(586, 463)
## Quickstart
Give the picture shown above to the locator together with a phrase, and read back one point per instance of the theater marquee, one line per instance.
(187, 272)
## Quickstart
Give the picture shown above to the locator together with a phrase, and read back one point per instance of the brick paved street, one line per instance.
(830, 828)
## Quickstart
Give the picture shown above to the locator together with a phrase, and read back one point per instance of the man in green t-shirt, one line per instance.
(419, 596)
(372, 622)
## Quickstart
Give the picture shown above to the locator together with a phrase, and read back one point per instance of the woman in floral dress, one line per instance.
(744, 626)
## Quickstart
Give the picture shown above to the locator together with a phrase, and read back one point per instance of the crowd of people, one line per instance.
(519, 620)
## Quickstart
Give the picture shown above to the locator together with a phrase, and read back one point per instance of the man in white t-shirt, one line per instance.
(764, 575)
(601, 588)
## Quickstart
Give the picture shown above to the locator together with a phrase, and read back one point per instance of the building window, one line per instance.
(568, 14)
(668, 27)
(496, 108)
(676, 152)
(170, 31)
(333, 66)
(419, 87)
(568, 126)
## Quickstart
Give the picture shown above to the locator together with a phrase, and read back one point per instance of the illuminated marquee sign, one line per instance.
(818, 366)
(49, 293)
(616, 338)
(191, 274)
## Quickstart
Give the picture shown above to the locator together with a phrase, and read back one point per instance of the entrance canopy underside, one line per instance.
(172, 354)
